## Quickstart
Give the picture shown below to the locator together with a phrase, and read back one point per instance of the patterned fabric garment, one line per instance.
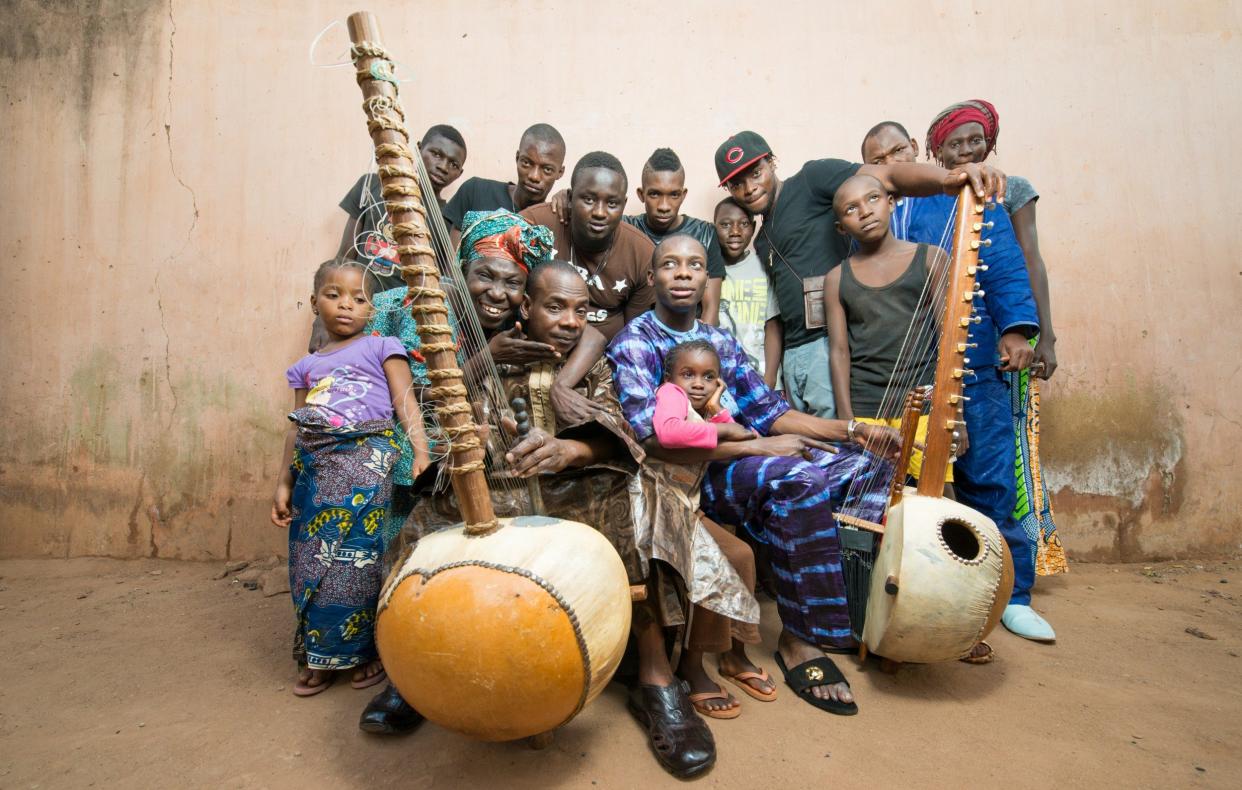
(342, 487)
(1034, 508)
(503, 234)
(392, 319)
(787, 504)
(641, 516)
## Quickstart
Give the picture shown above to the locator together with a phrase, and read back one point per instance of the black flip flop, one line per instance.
(816, 672)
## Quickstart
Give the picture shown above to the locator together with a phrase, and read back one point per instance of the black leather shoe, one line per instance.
(680, 739)
(389, 714)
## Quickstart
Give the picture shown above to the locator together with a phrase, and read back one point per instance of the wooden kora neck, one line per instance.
(952, 364)
(403, 197)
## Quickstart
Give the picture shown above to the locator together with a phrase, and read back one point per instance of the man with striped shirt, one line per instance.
(783, 485)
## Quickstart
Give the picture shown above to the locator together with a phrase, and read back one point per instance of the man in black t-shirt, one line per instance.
(365, 238)
(662, 192)
(540, 162)
(797, 242)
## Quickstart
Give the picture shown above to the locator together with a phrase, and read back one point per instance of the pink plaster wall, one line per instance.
(171, 174)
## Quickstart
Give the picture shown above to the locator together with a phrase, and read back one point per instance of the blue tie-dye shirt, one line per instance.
(637, 357)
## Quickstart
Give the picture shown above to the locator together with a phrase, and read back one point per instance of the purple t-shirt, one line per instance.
(348, 384)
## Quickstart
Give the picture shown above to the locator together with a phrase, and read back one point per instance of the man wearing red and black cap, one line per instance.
(798, 243)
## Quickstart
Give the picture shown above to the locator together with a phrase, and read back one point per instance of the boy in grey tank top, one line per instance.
(881, 312)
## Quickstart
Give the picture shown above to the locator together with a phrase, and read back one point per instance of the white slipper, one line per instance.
(1026, 623)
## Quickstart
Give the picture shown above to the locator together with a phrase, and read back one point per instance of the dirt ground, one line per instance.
(154, 674)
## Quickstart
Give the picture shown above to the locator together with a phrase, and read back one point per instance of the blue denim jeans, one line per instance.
(808, 381)
(984, 478)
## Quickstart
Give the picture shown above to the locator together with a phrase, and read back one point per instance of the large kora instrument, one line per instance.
(496, 629)
(507, 635)
(943, 574)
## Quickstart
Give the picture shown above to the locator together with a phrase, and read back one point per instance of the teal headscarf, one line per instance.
(503, 234)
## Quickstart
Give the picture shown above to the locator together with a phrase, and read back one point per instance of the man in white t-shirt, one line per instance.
(747, 304)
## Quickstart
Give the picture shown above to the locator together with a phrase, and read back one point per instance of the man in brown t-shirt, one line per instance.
(612, 257)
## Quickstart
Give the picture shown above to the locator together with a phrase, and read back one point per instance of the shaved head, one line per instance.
(553, 271)
(852, 185)
(676, 241)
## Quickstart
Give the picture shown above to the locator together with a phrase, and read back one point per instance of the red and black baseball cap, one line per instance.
(738, 153)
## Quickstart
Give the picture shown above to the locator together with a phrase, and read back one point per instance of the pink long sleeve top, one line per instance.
(675, 428)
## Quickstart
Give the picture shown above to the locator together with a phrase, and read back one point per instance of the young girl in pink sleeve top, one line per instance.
(687, 406)
(688, 414)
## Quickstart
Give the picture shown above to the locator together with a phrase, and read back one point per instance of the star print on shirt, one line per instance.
(594, 280)
(619, 286)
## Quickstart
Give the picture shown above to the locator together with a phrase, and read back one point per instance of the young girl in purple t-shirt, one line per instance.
(335, 488)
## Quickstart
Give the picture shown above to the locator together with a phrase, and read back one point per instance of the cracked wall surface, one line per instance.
(171, 173)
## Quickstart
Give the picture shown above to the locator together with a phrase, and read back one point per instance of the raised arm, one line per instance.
(918, 180)
(572, 408)
(672, 429)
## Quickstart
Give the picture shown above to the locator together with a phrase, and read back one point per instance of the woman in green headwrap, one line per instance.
(497, 251)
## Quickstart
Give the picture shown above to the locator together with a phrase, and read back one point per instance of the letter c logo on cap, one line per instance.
(734, 155)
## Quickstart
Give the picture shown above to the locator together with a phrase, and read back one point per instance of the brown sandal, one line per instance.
(719, 693)
(740, 679)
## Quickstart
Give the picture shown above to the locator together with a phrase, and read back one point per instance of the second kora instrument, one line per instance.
(940, 582)
(497, 629)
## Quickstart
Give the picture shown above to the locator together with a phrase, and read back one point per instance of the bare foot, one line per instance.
(311, 680)
(366, 671)
(691, 671)
(794, 651)
(735, 662)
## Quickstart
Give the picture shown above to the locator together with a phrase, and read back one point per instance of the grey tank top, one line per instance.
(878, 320)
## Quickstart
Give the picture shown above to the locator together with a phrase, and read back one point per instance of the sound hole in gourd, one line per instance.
(960, 539)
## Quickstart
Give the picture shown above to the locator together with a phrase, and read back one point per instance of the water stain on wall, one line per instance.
(111, 453)
(1115, 462)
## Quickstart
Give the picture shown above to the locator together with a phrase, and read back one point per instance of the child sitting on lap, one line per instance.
(688, 413)
(687, 406)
